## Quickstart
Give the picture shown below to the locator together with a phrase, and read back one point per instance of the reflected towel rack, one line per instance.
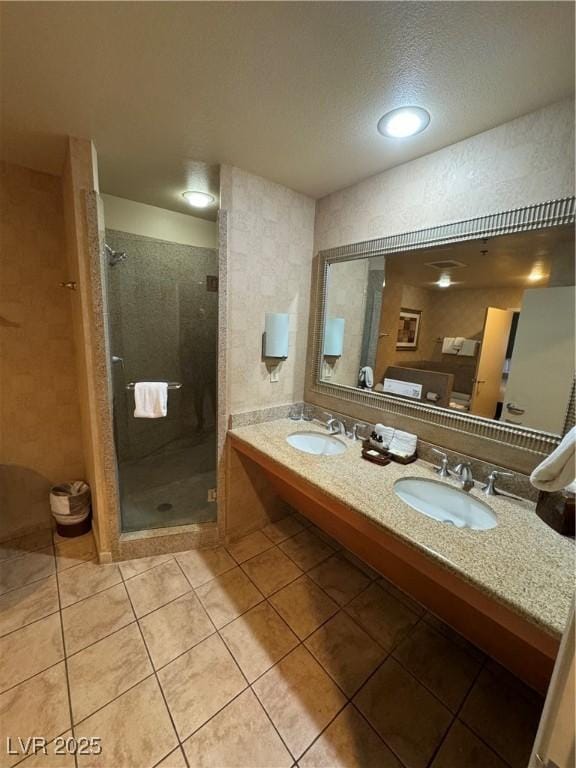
(171, 385)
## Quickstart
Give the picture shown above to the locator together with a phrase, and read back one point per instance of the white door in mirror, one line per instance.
(316, 443)
(445, 503)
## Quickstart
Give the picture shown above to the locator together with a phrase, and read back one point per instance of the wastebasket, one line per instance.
(70, 505)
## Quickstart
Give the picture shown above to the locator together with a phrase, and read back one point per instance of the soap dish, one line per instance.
(374, 455)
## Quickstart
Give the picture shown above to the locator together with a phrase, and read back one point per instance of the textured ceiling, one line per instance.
(289, 91)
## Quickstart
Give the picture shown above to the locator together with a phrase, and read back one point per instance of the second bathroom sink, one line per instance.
(445, 503)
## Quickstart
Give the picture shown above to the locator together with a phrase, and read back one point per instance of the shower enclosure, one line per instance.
(163, 326)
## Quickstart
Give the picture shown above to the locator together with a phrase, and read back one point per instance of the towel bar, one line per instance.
(171, 385)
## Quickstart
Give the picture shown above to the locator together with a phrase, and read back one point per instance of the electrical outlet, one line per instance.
(274, 375)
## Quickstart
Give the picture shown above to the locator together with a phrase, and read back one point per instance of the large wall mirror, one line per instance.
(482, 327)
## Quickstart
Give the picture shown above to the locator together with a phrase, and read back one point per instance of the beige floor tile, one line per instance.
(306, 549)
(199, 683)
(443, 667)
(202, 565)
(258, 639)
(303, 606)
(249, 546)
(283, 529)
(96, 617)
(156, 587)
(382, 616)
(175, 628)
(29, 650)
(271, 570)
(409, 719)
(27, 604)
(349, 742)
(339, 578)
(174, 760)
(84, 580)
(106, 669)
(240, 735)
(28, 543)
(461, 749)
(300, 698)
(502, 717)
(55, 755)
(346, 652)
(130, 568)
(228, 596)
(23, 570)
(135, 730)
(70, 552)
(37, 707)
(334, 543)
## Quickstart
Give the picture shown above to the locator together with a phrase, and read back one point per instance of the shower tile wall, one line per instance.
(163, 324)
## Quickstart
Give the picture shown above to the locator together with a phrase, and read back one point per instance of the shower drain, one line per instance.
(166, 507)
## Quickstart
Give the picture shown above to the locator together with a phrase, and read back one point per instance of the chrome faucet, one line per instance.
(356, 430)
(443, 470)
(334, 426)
(463, 472)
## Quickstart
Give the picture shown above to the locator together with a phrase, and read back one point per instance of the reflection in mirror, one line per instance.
(484, 327)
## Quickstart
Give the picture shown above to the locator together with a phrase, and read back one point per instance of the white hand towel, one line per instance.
(448, 346)
(468, 348)
(403, 444)
(366, 377)
(150, 399)
(458, 343)
(557, 470)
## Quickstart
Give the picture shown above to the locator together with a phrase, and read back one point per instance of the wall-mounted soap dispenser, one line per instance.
(275, 341)
(334, 337)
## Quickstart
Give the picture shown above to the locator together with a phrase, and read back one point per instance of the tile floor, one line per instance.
(280, 651)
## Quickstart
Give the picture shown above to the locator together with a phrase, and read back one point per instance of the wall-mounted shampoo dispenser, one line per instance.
(276, 327)
(334, 337)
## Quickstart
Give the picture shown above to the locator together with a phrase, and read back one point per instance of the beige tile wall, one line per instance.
(40, 441)
(270, 249)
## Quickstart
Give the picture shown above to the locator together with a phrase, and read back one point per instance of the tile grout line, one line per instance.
(65, 656)
(155, 674)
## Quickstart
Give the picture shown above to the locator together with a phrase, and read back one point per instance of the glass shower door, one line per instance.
(163, 315)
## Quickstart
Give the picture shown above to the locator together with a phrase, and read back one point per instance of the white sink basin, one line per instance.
(316, 443)
(445, 503)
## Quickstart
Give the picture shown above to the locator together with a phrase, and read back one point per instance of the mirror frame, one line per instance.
(531, 218)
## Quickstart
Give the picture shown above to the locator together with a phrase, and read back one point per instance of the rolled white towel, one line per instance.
(403, 444)
(559, 469)
(150, 399)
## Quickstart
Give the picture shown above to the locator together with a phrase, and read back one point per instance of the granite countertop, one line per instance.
(522, 563)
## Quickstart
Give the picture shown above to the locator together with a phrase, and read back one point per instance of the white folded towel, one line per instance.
(403, 444)
(557, 470)
(150, 399)
(386, 433)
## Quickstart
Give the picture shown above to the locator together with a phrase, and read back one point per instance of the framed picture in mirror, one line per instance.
(408, 328)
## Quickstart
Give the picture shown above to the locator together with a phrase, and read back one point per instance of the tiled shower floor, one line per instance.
(280, 651)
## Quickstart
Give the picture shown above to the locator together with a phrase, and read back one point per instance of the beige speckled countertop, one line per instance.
(521, 563)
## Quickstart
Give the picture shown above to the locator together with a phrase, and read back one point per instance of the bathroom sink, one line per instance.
(316, 443)
(445, 503)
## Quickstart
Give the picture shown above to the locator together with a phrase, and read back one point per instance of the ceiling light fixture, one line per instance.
(198, 199)
(444, 281)
(537, 272)
(403, 122)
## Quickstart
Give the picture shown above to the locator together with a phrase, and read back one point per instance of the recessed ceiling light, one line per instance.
(403, 122)
(444, 281)
(198, 199)
(537, 273)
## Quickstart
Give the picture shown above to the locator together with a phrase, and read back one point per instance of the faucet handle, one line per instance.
(442, 470)
(329, 416)
(490, 488)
